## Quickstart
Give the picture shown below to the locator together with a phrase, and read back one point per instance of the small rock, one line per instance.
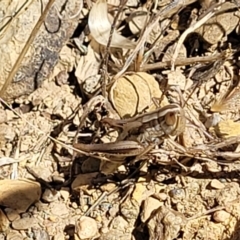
(177, 193)
(58, 179)
(14, 235)
(74, 205)
(3, 116)
(86, 227)
(40, 234)
(115, 234)
(50, 196)
(212, 167)
(25, 191)
(161, 196)
(53, 218)
(24, 223)
(98, 218)
(221, 216)
(149, 205)
(11, 214)
(59, 236)
(59, 209)
(4, 223)
(120, 224)
(142, 191)
(130, 209)
(107, 187)
(44, 171)
(216, 184)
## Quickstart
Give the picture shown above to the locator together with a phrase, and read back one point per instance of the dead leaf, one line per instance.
(131, 94)
(100, 27)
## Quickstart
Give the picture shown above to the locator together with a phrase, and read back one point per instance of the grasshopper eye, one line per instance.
(170, 118)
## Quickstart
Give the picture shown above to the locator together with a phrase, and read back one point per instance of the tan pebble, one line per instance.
(59, 236)
(98, 218)
(11, 214)
(150, 204)
(53, 218)
(74, 205)
(162, 196)
(216, 184)
(221, 216)
(24, 223)
(22, 199)
(108, 187)
(59, 209)
(50, 196)
(14, 235)
(104, 230)
(212, 167)
(86, 227)
(85, 208)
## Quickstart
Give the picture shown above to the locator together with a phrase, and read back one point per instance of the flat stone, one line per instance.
(11, 214)
(59, 209)
(24, 223)
(26, 193)
(14, 235)
(216, 184)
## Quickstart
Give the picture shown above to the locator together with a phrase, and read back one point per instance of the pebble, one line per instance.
(108, 187)
(98, 218)
(24, 223)
(19, 194)
(59, 209)
(3, 116)
(149, 205)
(161, 196)
(86, 227)
(58, 179)
(74, 205)
(11, 214)
(4, 223)
(40, 234)
(216, 184)
(221, 216)
(14, 235)
(59, 236)
(177, 193)
(50, 196)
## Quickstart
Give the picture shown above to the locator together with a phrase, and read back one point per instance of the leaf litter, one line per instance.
(137, 57)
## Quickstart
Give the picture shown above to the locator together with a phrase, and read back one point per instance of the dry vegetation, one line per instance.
(80, 154)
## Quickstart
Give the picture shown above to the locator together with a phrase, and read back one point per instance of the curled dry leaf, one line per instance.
(228, 102)
(131, 94)
(100, 27)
